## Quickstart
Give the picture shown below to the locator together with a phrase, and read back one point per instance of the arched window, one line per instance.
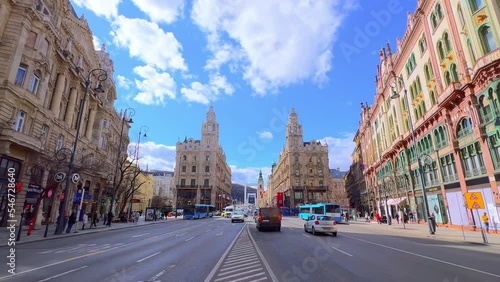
(426, 73)
(454, 73)
(485, 107)
(475, 5)
(464, 127)
(447, 78)
(433, 21)
(447, 43)
(487, 39)
(433, 98)
(439, 12)
(440, 50)
(419, 86)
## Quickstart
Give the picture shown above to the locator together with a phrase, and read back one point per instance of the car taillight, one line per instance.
(260, 218)
(280, 217)
(334, 223)
(316, 222)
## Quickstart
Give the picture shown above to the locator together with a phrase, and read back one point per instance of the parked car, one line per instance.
(320, 224)
(238, 216)
(268, 218)
(216, 213)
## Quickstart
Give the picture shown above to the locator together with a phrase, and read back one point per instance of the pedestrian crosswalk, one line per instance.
(243, 263)
(81, 248)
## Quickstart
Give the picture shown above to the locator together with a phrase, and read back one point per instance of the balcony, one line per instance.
(21, 139)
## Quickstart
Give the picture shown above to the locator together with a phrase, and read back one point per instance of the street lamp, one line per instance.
(395, 95)
(145, 129)
(131, 112)
(101, 76)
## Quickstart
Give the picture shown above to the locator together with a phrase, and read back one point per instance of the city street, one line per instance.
(218, 250)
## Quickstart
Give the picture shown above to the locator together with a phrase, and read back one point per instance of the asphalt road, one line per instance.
(217, 250)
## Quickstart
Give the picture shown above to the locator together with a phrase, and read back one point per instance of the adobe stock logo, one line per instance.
(362, 37)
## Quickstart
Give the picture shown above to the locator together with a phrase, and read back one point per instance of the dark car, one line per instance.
(269, 218)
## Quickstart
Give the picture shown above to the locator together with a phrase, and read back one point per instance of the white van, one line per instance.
(229, 211)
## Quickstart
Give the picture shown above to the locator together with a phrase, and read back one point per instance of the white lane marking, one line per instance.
(426, 257)
(241, 273)
(143, 259)
(345, 253)
(46, 252)
(306, 235)
(264, 261)
(182, 234)
(139, 235)
(61, 274)
(189, 239)
(222, 232)
(162, 272)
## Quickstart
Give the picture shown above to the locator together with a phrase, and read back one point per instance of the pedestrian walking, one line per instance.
(85, 220)
(94, 219)
(137, 215)
(109, 219)
(367, 218)
(397, 216)
(71, 221)
(486, 222)
(379, 219)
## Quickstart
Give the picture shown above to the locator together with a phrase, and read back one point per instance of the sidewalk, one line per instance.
(38, 233)
(442, 233)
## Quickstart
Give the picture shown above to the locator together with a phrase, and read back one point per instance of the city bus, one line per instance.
(198, 211)
(204, 210)
(330, 209)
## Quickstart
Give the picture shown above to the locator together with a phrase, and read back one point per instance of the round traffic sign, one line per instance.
(59, 177)
(75, 178)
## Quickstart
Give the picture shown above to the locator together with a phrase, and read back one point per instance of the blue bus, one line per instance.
(330, 209)
(198, 211)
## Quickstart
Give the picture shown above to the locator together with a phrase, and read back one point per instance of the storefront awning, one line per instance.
(395, 201)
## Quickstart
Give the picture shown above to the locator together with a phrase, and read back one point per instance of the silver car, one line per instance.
(320, 224)
(237, 216)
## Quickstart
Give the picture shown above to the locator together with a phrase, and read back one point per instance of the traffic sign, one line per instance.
(474, 200)
(59, 177)
(75, 178)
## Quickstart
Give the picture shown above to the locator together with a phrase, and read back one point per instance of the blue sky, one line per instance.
(253, 61)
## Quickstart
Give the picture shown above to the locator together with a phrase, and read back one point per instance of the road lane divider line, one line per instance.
(426, 257)
(189, 239)
(143, 259)
(306, 235)
(61, 274)
(140, 235)
(178, 235)
(154, 278)
(345, 253)
(218, 264)
(264, 261)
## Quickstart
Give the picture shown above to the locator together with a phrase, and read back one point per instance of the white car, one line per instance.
(320, 224)
(238, 216)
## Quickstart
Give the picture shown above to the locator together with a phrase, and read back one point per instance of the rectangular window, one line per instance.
(31, 39)
(193, 182)
(183, 168)
(205, 183)
(60, 142)
(183, 182)
(193, 169)
(207, 157)
(35, 80)
(21, 74)
(207, 168)
(44, 47)
(298, 195)
(44, 132)
(21, 118)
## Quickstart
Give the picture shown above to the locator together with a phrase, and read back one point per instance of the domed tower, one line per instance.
(294, 135)
(260, 189)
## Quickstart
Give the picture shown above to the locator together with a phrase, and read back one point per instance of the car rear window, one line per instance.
(270, 212)
(324, 218)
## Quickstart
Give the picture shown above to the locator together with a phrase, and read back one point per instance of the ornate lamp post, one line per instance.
(131, 112)
(101, 75)
(395, 95)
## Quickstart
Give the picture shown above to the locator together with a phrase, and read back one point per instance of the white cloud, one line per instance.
(265, 135)
(155, 156)
(273, 43)
(249, 175)
(97, 43)
(107, 9)
(154, 86)
(123, 82)
(161, 10)
(340, 150)
(206, 93)
(149, 43)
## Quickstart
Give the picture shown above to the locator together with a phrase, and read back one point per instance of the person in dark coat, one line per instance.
(110, 218)
(71, 221)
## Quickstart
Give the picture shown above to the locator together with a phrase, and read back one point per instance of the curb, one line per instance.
(74, 234)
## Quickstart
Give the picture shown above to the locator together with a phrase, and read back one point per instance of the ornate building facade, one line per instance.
(447, 66)
(301, 173)
(46, 57)
(201, 173)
